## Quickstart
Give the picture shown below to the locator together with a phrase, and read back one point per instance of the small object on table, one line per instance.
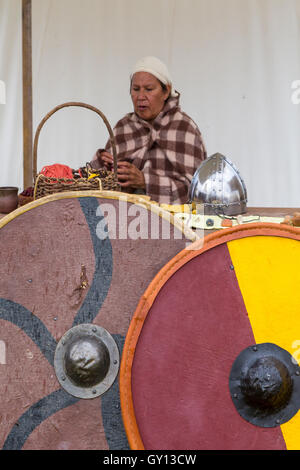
(26, 196)
(296, 219)
(8, 199)
(292, 219)
(226, 223)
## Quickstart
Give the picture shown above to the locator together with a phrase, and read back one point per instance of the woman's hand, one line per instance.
(129, 176)
(105, 159)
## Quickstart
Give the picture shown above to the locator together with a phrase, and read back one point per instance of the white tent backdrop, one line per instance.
(11, 159)
(235, 63)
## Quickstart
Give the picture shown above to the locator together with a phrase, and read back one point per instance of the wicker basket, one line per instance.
(105, 180)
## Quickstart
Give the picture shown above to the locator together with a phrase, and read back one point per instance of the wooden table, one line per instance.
(271, 211)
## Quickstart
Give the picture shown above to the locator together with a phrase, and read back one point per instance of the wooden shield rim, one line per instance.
(140, 200)
(146, 301)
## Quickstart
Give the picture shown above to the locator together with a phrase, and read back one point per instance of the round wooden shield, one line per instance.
(71, 259)
(202, 310)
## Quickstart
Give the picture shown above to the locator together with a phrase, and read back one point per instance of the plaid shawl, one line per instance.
(168, 151)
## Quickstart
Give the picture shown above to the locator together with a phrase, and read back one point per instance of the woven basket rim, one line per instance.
(45, 185)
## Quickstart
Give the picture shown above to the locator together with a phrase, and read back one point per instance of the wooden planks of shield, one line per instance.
(198, 316)
(73, 262)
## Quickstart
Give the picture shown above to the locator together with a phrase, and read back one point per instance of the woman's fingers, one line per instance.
(130, 175)
(124, 170)
(107, 155)
(105, 158)
(125, 176)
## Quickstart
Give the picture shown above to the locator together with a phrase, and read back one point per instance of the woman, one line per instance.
(158, 146)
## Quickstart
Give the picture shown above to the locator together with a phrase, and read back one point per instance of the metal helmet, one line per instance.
(218, 185)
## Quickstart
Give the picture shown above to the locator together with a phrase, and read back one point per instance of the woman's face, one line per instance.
(147, 95)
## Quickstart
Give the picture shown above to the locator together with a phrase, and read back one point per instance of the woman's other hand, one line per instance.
(105, 159)
(130, 176)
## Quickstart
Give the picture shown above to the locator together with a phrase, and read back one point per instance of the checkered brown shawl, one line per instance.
(168, 151)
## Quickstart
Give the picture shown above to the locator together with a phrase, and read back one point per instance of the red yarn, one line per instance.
(57, 171)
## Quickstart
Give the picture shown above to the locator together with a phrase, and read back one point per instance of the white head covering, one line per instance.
(157, 68)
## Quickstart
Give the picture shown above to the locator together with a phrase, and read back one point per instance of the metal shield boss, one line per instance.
(265, 385)
(86, 361)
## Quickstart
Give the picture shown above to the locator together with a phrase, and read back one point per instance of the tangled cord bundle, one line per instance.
(57, 171)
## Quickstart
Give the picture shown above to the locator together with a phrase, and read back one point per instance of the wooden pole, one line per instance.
(27, 93)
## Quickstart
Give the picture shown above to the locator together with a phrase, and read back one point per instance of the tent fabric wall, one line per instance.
(11, 140)
(234, 63)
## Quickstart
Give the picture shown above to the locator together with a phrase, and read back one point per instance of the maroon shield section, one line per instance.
(66, 260)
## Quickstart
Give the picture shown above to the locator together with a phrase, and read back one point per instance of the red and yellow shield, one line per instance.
(241, 288)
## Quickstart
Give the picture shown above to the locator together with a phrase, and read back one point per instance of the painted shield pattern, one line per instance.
(69, 260)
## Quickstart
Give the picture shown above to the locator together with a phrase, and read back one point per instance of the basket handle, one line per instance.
(64, 105)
